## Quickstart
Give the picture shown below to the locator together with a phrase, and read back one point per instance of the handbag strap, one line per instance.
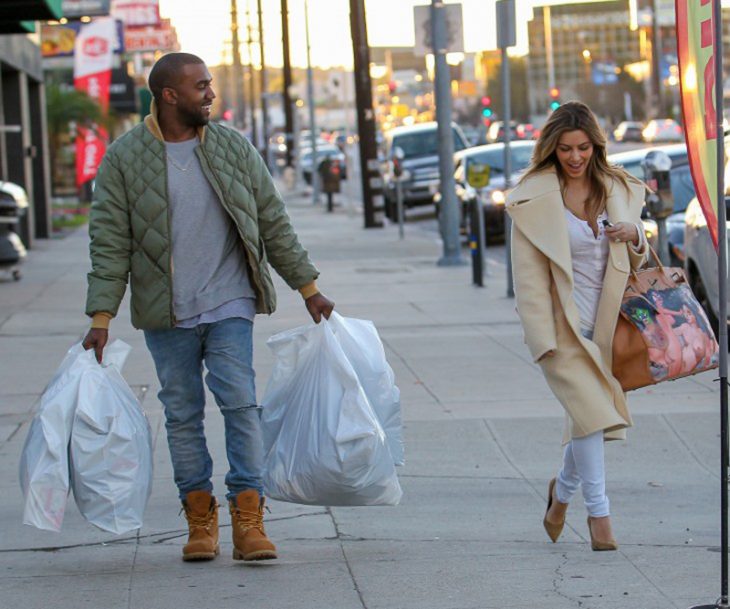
(655, 256)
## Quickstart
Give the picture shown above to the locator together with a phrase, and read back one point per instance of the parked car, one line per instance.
(701, 260)
(662, 130)
(323, 151)
(492, 196)
(629, 131)
(527, 131)
(420, 163)
(682, 189)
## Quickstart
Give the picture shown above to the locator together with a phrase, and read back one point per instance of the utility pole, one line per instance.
(239, 113)
(372, 182)
(656, 60)
(288, 114)
(314, 173)
(448, 206)
(264, 89)
(251, 79)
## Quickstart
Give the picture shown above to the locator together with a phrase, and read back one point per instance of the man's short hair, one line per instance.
(166, 71)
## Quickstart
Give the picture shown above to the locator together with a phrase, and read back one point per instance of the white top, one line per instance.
(590, 255)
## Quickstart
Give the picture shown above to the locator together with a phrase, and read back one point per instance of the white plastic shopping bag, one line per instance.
(44, 461)
(111, 448)
(323, 442)
(79, 416)
(362, 346)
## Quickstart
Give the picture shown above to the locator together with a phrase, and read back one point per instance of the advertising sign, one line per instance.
(162, 38)
(73, 9)
(136, 13)
(93, 55)
(90, 149)
(60, 40)
(696, 48)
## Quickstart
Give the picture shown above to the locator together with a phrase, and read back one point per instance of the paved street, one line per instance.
(482, 436)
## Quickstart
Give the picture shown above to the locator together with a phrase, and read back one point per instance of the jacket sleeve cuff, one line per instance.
(101, 320)
(308, 290)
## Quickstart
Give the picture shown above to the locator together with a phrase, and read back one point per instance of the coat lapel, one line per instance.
(536, 207)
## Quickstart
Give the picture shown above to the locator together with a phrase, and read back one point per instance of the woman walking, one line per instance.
(576, 235)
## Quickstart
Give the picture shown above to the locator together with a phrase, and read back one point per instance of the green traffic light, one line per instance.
(486, 112)
(554, 105)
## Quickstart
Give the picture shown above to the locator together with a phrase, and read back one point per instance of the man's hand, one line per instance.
(96, 339)
(317, 305)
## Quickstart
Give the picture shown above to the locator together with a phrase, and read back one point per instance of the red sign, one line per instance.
(95, 46)
(696, 50)
(151, 39)
(90, 149)
(136, 13)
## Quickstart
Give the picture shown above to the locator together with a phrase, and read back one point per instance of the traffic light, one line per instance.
(487, 109)
(554, 98)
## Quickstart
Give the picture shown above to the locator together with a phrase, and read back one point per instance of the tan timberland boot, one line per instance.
(247, 520)
(201, 511)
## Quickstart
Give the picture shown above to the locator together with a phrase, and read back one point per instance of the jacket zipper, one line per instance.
(169, 235)
(219, 192)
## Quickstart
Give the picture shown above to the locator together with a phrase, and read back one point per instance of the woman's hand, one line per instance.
(623, 232)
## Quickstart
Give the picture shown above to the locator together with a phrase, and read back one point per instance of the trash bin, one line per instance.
(13, 209)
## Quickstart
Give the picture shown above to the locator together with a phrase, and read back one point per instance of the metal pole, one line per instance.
(239, 115)
(251, 80)
(286, 73)
(655, 60)
(310, 103)
(372, 182)
(506, 38)
(264, 87)
(547, 17)
(448, 206)
(722, 603)
(399, 203)
(476, 241)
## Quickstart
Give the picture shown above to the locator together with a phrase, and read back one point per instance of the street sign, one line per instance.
(454, 29)
(506, 31)
(477, 175)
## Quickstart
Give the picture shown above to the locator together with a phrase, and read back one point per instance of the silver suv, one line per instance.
(420, 163)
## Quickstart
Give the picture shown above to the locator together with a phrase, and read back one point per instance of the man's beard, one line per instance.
(192, 119)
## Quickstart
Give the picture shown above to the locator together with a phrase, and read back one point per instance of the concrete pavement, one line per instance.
(482, 435)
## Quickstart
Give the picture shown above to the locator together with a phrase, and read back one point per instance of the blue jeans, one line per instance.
(226, 348)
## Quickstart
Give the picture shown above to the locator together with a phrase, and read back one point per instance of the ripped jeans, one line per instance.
(226, 348)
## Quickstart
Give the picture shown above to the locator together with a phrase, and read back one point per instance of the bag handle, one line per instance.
(655, 256)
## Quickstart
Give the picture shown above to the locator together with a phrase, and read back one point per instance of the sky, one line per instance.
(390, 23)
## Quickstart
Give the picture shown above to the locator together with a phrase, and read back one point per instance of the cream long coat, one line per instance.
(579, 373)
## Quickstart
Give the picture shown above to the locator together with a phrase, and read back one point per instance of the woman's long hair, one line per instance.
(572, 116)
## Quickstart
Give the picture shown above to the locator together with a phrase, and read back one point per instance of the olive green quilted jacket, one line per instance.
(129, 223)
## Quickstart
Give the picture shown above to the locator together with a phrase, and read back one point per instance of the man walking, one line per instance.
(187, 212)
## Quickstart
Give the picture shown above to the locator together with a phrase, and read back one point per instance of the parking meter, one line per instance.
(399, 174)
(329, 172)
(656, 166)
(660, 203)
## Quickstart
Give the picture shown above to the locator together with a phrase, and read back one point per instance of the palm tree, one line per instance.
(64, 108)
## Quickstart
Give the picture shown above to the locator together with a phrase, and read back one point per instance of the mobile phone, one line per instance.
(606, 223)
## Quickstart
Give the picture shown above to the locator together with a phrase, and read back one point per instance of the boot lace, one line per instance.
(198, 521)
(249, 520)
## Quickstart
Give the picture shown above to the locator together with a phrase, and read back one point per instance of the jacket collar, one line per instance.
(153, 125)
(536, 207)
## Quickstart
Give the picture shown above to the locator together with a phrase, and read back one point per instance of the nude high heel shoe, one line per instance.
(601, 546)
(553, 530)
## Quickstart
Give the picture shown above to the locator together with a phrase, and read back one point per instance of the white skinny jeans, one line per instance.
(583, 465)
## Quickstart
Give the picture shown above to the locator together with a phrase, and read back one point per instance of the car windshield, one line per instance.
(423, 143)
(519, 155)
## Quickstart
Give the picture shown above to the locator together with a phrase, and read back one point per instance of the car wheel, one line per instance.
(698, 288)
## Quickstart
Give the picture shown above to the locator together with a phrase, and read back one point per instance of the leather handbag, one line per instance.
(662, 331)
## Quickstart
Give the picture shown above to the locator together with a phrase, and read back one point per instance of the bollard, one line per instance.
(476, 241)
(399, 203)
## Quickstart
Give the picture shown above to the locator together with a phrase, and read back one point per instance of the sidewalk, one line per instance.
(482, 435)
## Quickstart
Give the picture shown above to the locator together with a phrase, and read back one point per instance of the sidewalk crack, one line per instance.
(687, 447)
(340, 539)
